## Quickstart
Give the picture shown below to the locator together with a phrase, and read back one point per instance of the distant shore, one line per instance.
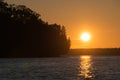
(96, 52)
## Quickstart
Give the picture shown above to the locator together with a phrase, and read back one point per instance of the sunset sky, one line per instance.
(100, 18)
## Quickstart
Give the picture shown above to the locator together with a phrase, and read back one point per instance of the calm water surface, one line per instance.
(61, 68)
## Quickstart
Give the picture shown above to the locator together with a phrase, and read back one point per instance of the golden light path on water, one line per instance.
(85, 67)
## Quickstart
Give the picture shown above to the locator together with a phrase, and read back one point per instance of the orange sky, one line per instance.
(101, 18)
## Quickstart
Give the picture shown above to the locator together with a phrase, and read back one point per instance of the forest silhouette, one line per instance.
(25, 34)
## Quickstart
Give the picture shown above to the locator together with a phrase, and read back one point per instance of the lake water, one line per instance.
(61, 68)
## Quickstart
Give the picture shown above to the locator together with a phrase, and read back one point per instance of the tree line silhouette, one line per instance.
(25, 34)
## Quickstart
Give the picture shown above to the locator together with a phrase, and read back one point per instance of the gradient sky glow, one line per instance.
(101, 18)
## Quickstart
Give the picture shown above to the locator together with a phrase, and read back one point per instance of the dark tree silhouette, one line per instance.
(25, 34)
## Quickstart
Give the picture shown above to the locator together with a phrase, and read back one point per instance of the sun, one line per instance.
(85, 36)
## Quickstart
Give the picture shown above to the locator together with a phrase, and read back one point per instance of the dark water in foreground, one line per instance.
(62, 68)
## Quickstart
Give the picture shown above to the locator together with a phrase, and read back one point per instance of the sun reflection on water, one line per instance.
(85, 67)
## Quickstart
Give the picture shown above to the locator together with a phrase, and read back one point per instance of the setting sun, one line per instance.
(85, 37)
